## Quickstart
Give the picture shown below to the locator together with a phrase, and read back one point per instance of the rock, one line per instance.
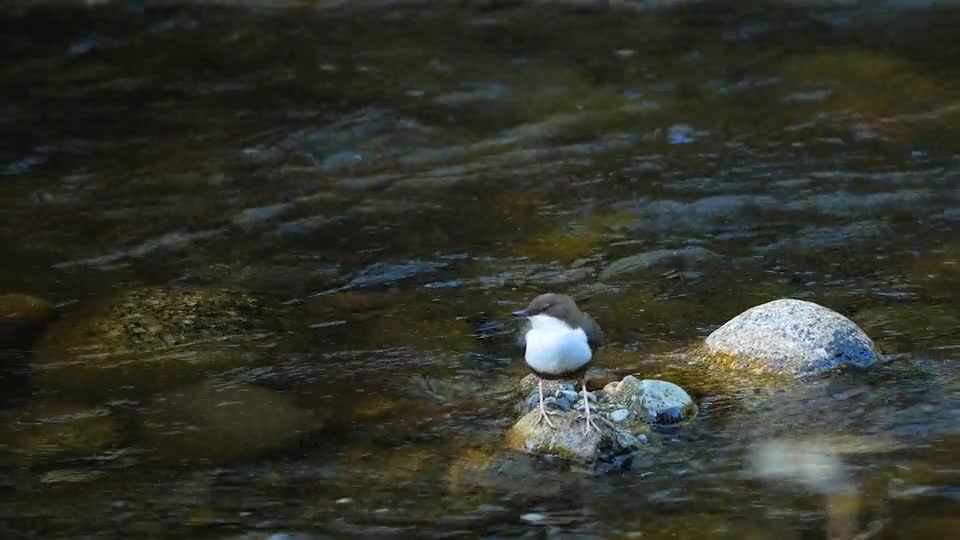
(478, 470)
(662, 259)
(528, 384)
(212, 425)
(382, 274)
(71, 476)
(21, 317)
(142, 340)
(789, 337)
(46, 432)
(567, 440)
(623, 410)
(619, 415)
(650, 400)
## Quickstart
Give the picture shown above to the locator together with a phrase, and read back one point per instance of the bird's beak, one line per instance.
(520, 313)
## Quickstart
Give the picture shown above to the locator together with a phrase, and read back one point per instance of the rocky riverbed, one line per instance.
(259, 256)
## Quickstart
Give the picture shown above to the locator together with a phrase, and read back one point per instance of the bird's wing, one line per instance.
(521, 339)
(595, 336)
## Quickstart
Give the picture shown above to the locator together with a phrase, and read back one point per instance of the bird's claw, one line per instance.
(588, 424)
(545, 417)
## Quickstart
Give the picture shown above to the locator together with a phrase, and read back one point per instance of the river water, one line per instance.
(405, 176)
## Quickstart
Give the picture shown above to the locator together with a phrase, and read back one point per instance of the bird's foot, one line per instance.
(589, 423)
(545, 417)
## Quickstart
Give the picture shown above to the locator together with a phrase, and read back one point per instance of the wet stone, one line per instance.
(144, 339)
(44, 432)
(623, 411)
(789, 337)
(660, 259)
(648, 400)
(210, 424)
(381, 274)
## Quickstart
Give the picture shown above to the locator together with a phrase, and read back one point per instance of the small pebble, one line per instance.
(570, 395)
(533, 517)
(344, 500)
(562, 403)
(619, 415)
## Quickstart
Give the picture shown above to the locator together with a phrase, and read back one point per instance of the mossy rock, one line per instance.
(142, 340)
(567, 440)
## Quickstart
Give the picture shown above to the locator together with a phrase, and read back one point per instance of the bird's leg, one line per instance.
(589, 423)
(544, 415)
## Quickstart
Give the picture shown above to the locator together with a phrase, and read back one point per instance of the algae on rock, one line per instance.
(145, 339)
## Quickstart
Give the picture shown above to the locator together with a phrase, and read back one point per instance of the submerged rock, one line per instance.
(623, 410)
(659, 259)
(208, 424)
(145, 339)
(789, 337)
(480, 470)
(44, 432)
(21, 317)
(381, 274)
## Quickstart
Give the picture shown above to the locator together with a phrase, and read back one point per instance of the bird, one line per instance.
(559, 344)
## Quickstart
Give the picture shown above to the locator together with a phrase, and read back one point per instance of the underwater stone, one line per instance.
(44, 432)
(141, 340)
(21, 317)
(209, 424)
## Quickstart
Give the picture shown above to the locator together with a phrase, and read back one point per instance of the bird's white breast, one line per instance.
(555, 348)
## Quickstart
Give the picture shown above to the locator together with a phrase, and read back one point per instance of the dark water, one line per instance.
(427, 171)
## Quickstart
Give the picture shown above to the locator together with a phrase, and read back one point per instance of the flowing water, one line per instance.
(394, 179)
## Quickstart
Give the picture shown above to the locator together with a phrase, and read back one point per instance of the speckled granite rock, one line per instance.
(789, 337)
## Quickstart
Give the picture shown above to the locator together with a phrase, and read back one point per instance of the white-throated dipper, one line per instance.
(559, 345)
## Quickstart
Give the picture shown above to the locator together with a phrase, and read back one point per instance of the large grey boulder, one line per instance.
(790, 337)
